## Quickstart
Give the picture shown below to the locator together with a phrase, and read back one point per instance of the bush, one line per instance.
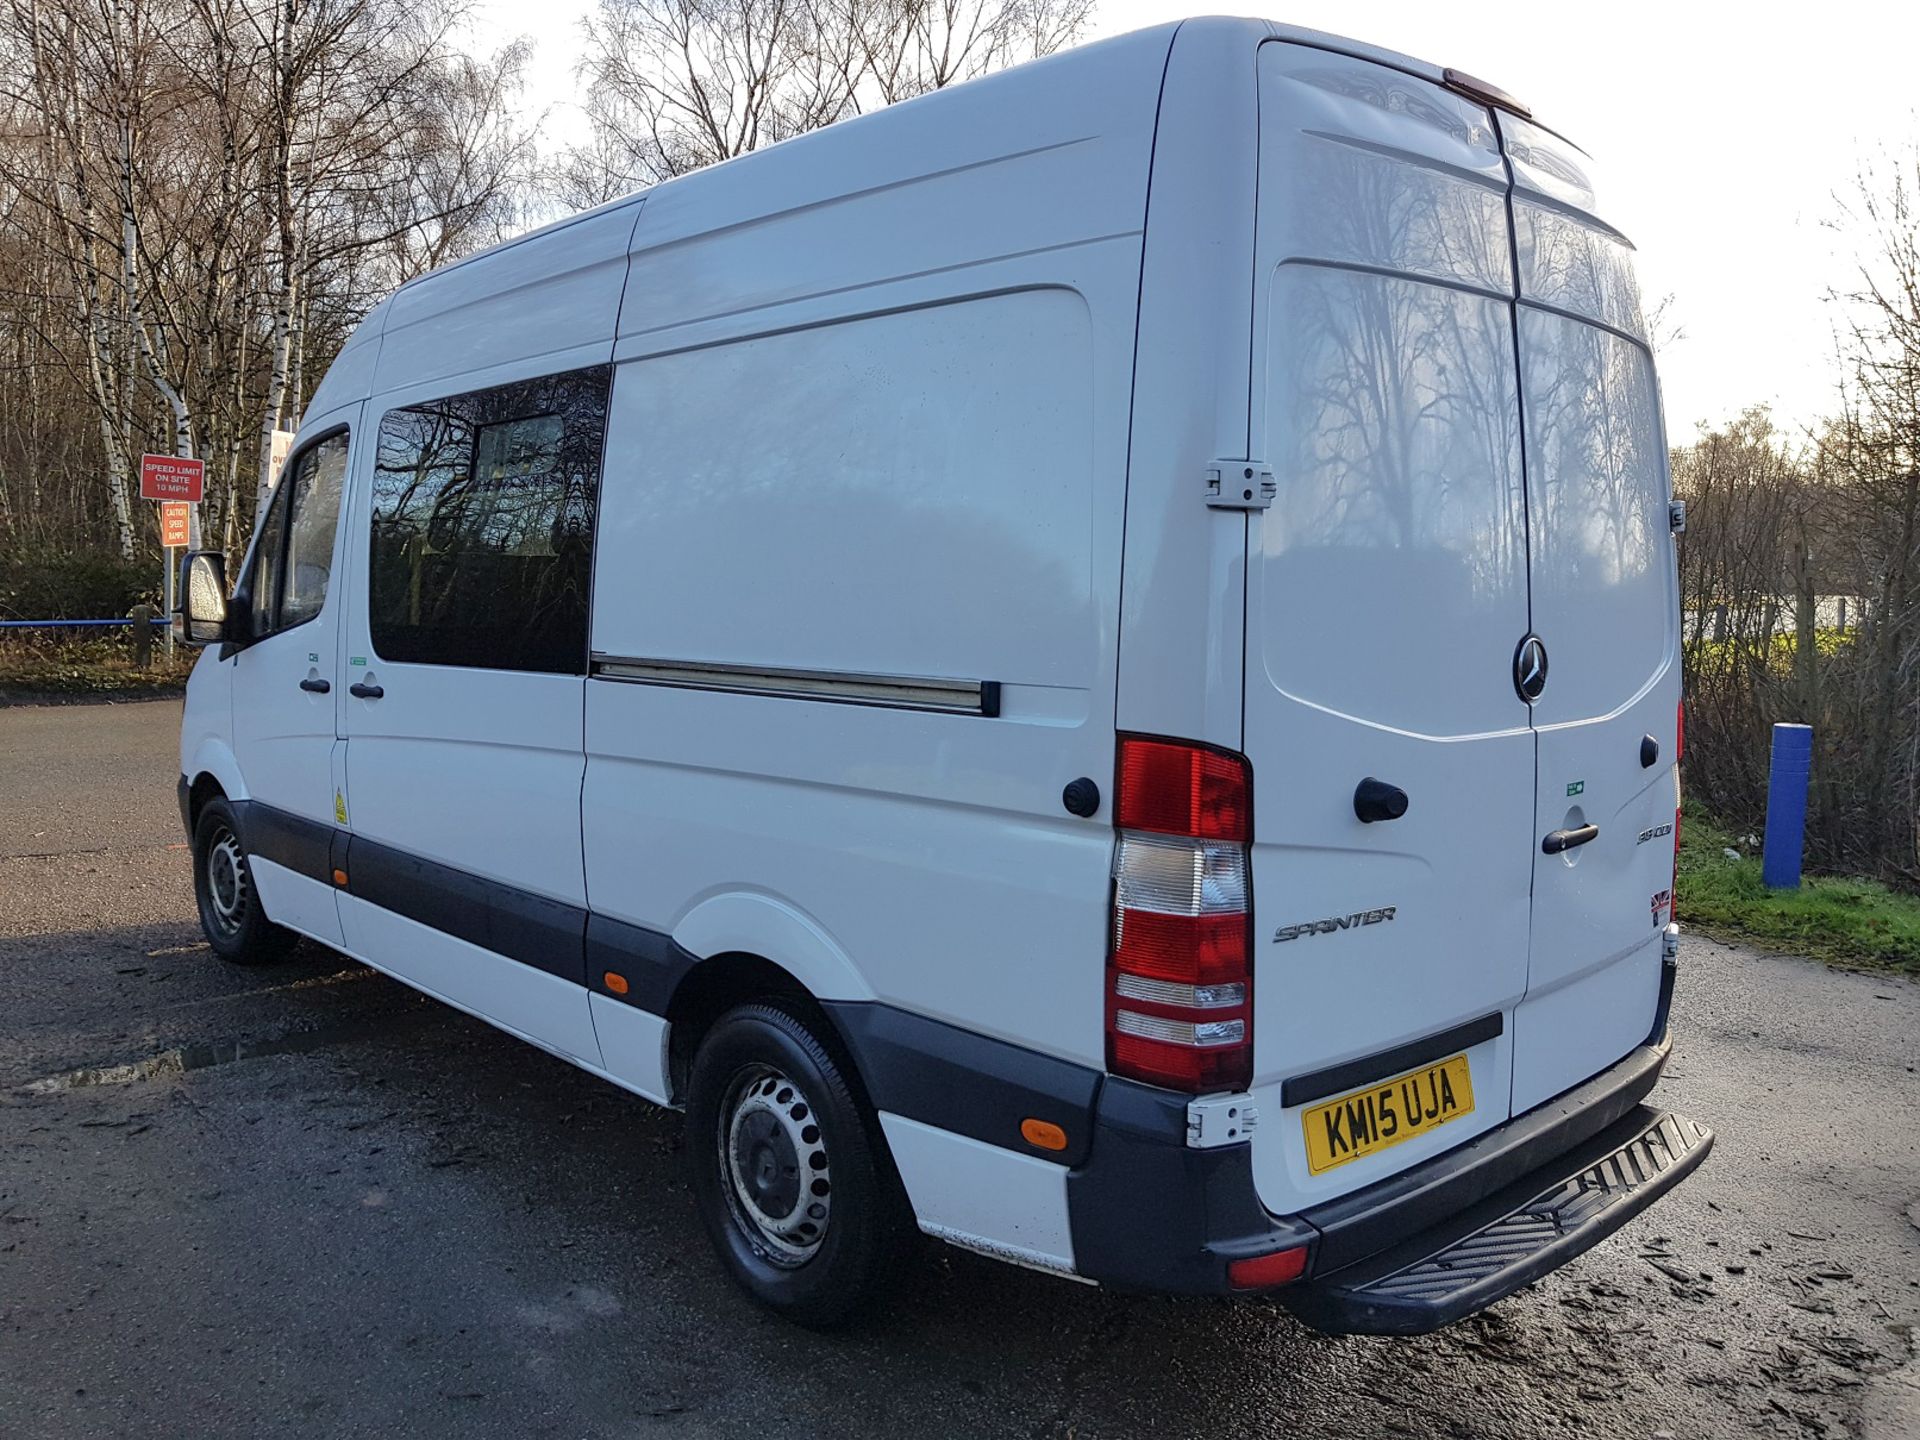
(41, 663)
(46, 584)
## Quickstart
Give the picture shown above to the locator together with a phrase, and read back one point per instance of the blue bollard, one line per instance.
(1787, 806)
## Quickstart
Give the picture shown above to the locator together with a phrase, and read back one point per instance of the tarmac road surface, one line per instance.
(310, 1202)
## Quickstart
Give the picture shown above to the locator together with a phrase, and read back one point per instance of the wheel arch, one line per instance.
(755, 946)
(716, 985)
(213, 770)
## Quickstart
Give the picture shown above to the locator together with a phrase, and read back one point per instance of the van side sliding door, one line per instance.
(466, 657)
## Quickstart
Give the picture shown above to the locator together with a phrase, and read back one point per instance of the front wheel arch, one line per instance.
(205, 787)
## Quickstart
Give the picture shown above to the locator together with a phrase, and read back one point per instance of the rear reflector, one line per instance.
(1263, 1272)
(1179, 979)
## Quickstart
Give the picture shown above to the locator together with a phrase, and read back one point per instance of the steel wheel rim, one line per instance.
(774, 1166)
(229, 885)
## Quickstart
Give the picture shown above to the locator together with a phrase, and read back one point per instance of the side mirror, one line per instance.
(203, 598)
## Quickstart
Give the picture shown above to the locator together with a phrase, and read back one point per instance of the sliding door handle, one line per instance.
(360, 690)
(315, 685)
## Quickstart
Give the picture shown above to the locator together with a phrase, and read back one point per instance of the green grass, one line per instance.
(1833, 918)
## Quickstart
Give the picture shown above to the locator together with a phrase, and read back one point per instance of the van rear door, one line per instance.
(1386, 594)
(1606, 615)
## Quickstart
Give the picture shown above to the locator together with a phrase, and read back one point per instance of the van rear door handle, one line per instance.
(1560, 840)
(1375, 800)
(362, 691)
(316, 685)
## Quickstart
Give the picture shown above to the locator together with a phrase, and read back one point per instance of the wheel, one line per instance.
(235, 924)
(790, 1172)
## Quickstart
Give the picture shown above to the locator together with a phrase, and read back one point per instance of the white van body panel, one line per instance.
(633, 1048)
(540, 304)
(1183, 606)
(946, 485)
(745, 922)
(205, 745)
(983, 1197)
(350, 376)
(537, 1007)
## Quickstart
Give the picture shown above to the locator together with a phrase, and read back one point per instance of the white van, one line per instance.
(1087, 664)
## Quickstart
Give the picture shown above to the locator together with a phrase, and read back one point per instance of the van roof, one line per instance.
(1150, 38)
(1151, 35)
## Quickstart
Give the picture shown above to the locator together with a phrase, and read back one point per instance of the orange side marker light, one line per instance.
(616, 983)
(340, 878)
(1043, 1134)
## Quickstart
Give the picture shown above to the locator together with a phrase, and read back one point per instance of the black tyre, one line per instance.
(235, 924)
(790, 1172)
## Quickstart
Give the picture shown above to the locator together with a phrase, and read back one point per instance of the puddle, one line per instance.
(201, 1055)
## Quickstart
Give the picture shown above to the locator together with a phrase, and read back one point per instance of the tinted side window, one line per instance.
(482, 536)
(313, 520)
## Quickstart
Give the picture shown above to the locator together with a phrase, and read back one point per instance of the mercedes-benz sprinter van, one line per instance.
(1086, 665)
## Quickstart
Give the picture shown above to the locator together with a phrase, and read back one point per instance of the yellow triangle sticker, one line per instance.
(339, 808)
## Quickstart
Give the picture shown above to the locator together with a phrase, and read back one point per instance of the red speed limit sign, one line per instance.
(171, 477)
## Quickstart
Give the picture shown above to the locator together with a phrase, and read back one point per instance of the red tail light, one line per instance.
(1179, 971)
(1178, 789)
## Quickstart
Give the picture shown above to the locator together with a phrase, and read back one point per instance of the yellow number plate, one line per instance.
(1382, 1116)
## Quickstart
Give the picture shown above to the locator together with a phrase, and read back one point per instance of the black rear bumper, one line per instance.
(1510, 1239)
(1412, 1252)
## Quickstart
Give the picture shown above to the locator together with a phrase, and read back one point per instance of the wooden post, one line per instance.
(142, 616)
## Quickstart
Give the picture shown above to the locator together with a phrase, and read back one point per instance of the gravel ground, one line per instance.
(306, 1201)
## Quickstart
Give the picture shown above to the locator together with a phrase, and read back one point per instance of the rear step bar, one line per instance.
(1513, 1237)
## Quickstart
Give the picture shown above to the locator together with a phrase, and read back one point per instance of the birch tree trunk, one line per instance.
(286, 16)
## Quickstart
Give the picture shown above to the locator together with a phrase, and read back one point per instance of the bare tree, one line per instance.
(1875, 445)
(198, 200)
(672, 85)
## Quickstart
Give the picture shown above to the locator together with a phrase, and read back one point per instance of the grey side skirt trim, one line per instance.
(547, 934)
(304, 846)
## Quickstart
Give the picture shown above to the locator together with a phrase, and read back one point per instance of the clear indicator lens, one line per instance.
(1167, 992)
(1180, 877)
(1196, 1033)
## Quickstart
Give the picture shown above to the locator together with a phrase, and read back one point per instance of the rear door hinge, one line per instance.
(1239, 485)
(1220, 1120)
(1677, 516)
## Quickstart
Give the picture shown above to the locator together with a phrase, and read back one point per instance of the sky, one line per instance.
(1724, 138)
